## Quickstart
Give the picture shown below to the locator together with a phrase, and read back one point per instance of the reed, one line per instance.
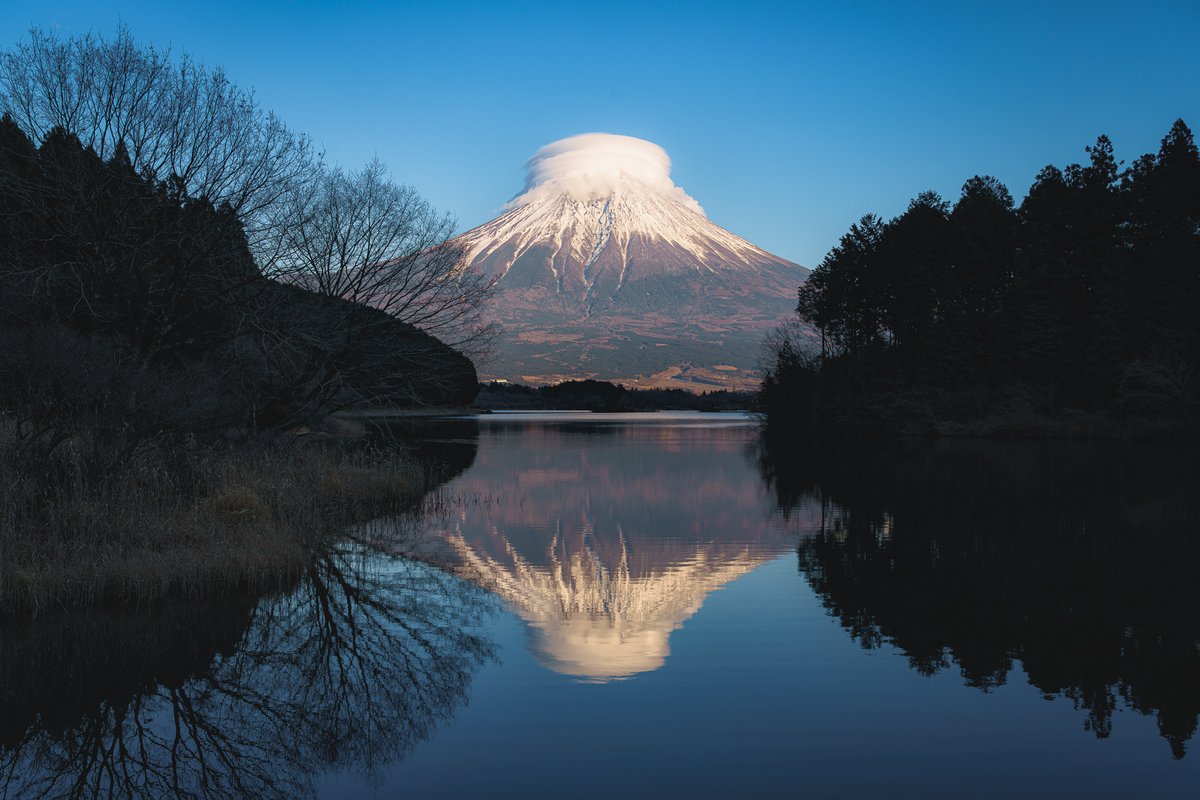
(84, 525)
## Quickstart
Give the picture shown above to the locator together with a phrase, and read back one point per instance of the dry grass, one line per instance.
(77, 530)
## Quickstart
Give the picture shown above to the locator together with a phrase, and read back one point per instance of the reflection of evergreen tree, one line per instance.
(1078, 560)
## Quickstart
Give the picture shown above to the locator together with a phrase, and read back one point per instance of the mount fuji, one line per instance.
(606, 269)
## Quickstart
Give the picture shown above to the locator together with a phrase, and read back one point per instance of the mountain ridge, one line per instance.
(610, 273)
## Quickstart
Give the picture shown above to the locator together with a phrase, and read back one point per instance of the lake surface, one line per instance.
(665, 605)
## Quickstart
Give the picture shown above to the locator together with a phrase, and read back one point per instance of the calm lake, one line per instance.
(663, 605)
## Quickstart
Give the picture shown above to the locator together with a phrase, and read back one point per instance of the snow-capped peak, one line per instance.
(598, 165)
(595, 203)
(604, 268)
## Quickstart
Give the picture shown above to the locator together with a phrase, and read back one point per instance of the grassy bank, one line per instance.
(82, 524)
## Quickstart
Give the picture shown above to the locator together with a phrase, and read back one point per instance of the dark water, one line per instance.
(651, 605)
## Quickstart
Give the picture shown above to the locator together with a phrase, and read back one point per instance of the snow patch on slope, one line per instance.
(599, 213)
(587, 228)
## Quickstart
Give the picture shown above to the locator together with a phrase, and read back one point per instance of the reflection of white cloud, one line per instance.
(598, 622)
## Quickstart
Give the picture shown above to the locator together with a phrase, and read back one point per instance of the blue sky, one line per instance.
(786, 121)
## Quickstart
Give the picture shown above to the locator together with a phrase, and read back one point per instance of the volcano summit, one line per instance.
(606, 269)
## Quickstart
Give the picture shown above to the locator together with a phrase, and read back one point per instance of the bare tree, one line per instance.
(349, 671)
(359, 236)
(174, 117)
(353, 235)
(360, 254)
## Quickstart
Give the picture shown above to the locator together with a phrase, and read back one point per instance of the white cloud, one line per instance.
(593, 165)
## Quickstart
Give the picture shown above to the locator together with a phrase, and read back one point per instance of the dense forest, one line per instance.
(1076, 312)
(127, 301)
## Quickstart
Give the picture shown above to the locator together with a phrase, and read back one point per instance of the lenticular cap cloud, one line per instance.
(593, 165)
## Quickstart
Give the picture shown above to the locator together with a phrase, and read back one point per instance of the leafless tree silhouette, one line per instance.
(349, 670)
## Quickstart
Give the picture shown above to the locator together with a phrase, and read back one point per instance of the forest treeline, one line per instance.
(1076, 312)
(187, 287)
(127, 301)
(605, 396)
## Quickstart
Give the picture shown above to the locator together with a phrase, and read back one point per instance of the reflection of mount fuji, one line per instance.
(606, 542)
(606, 616)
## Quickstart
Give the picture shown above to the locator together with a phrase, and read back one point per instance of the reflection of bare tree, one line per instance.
(350, 670)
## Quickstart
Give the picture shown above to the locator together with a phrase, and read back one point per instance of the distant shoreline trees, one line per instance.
(605, 396)
(1077, 311)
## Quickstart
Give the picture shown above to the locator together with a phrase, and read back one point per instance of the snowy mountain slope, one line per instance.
(606, 269)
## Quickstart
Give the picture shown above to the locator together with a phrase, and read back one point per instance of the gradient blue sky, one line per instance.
(787, 121)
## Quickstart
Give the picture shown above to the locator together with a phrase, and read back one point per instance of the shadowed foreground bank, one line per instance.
(343, 661)
(184, 294)
(201, 522)
(190, 522)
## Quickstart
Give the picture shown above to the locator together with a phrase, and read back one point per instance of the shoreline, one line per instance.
(1001, 430)
(190, 523)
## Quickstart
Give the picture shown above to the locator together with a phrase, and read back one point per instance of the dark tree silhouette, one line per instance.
(245, 696)
(1076, 312)
(195, 337)
(844, 295)
(1074, 559)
